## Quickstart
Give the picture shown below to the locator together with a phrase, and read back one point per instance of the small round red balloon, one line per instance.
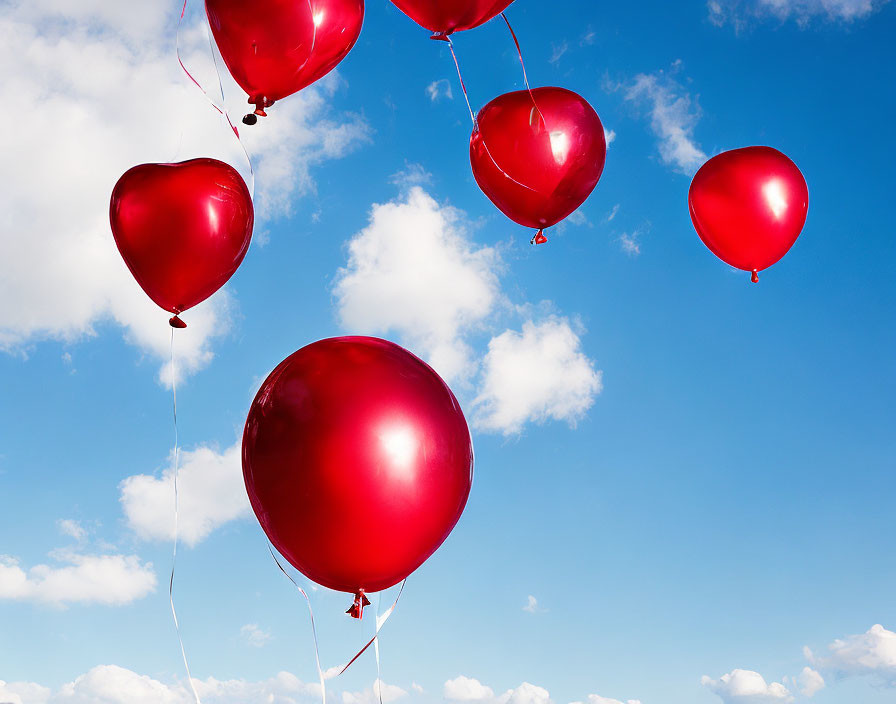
(182, 229)
(445, 17)
(538, 157)
(749, 206)
(357, 461)
(274, 48)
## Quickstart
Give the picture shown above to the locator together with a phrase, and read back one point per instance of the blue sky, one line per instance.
(691, 476)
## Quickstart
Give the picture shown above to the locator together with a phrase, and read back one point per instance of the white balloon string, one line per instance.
(336, 671)
(376, 649)
(320, 672)
(183, 651)
(461, 78)
(519, 51)
(222, 109)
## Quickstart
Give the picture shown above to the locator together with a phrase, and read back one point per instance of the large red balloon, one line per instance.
(538, 164)
(358, 462)
(182, 229)
(275, 48)
(749, 206)
(445, 17)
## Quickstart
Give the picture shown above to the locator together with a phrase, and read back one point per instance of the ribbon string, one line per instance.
(461, 78)
(221, 109)
(183, 651)
(337, 671)
(519, 51)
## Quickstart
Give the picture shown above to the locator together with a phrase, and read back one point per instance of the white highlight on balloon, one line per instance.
(400, 444)
(318, 18)
(776, 197)
(560, 146)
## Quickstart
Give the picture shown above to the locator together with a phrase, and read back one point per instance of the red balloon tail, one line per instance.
(755, 277)
(523, 64)
(357, 609)
(539, 238)
(440, 37)
(176, 322)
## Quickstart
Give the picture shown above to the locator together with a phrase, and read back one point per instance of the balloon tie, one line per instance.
(356, 610)
(539, 238)
(183, 651)
(176, 322)
(519, 51)
(446, 38)
(221, 110)
(755, 277)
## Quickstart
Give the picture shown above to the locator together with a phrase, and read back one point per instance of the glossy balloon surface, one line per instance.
(182, 229)
(357, 461)
(448, 16)
(274, 48)
(749, 206)
(538, 165)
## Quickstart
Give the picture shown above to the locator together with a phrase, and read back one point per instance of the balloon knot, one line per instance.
(539, 238)
(250, 119)
(176, 322)
(441, 37)
(357, 609)
(755, 277)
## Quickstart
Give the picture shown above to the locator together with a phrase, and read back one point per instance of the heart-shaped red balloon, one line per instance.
(538, 157)
(749, 206)
(182, 229)
(274, 48)
(358, 462)
(445, 17)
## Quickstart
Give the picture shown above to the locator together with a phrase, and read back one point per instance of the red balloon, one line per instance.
(538, 164)
(749, 206)
(274, 48)
(182, 229)
(358, 462)
(445, 17)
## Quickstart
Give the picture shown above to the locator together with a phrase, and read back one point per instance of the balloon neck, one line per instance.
(176, 322)
(260, 102)
(755, 277)
(357, 609)
(539, 238)
(441, 37)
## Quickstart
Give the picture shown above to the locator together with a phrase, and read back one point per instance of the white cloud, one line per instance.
(810, 682)
(526, 694)
(609, 136)
(531, 605)
(23, 693)
(613, 213)
(673, 116)
(597, 699)
(210, 490)
(254, 635)
(102, 92)
(414, 270)
(467, 689)
(631, 243)
(537, 374)
(870, 653)
(379, 689)
(747, 687)
(557, 51)
(111, 580)
(439, 89)
(737, 12)
(72, 529)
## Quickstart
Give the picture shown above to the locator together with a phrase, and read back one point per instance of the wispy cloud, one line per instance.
(439, 89)
(674, 115)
